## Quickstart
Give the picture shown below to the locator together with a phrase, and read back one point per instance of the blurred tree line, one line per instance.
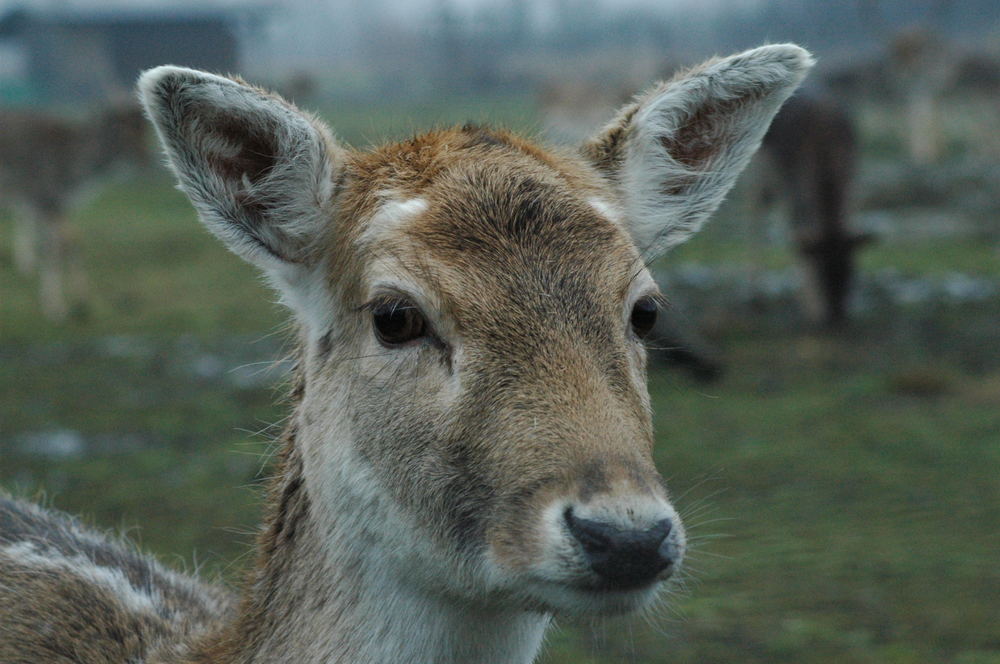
(390, 49)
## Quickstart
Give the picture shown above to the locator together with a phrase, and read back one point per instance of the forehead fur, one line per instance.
(493, 208)
(408, 167)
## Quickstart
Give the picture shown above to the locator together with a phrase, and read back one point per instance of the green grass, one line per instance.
(152, 270)
(841, 491)
(976, 257)
(979, 257)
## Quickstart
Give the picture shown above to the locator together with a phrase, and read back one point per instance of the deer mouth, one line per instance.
(585, 598)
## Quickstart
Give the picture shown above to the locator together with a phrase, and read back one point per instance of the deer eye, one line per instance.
(643, 316)
(397, 321)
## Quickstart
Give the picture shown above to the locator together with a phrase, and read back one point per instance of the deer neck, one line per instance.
(321, 593)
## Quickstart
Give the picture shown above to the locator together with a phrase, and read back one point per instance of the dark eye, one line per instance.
(643, 316)
(397, 321)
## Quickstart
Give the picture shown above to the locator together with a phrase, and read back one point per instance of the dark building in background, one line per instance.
(86, 55)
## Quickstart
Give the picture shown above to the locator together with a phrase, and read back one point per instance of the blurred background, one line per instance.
(826, 381)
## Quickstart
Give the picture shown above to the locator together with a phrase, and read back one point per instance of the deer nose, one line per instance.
(624, 558)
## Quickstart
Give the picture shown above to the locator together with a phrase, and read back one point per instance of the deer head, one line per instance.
(473, 417)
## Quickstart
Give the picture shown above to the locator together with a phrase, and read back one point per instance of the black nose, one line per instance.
(624, 558)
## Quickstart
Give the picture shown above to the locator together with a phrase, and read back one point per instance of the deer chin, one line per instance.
(584, 598)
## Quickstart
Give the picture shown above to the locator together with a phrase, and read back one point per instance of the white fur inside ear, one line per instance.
(690, 139)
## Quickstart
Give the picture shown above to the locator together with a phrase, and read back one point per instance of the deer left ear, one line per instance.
(260, 172)
(675, 152)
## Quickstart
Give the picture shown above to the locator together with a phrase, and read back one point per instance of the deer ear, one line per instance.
(259, 172)
(677, 150)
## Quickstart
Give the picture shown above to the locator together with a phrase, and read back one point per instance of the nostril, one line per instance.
(662, 529)
(668, 550)
(594, 536)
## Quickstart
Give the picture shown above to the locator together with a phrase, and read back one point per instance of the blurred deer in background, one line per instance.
(471, 445)
(48, 164)
(813, 147)
(922, 67)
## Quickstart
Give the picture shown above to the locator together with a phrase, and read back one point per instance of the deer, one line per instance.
(813, 147)
(922, 66)
(49, 163)
(470, 446)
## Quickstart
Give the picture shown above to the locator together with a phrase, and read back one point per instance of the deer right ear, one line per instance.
(259, 172)
(674, 153)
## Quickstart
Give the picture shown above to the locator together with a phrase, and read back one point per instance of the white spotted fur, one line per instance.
(390, 216)
(36, 559)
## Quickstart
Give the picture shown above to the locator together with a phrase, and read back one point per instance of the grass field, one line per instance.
(842, 491)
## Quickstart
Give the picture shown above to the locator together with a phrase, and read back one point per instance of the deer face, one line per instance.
(501, 390)
(472, 309)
